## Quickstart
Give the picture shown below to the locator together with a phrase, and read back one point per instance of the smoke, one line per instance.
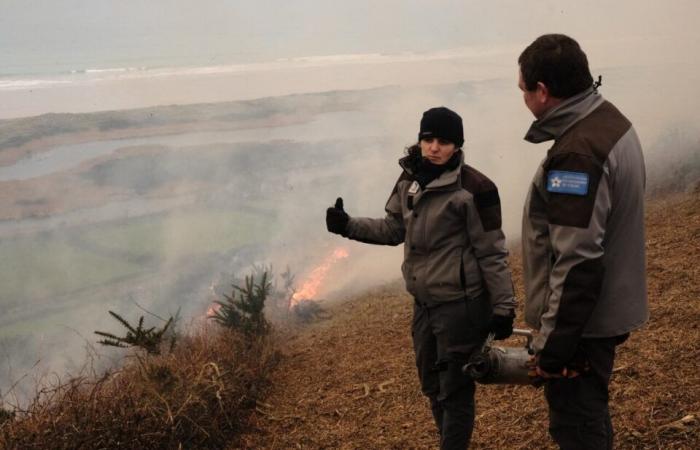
(157, 221)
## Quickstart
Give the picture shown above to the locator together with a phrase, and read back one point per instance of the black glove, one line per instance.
(501, 326)
(336, 218)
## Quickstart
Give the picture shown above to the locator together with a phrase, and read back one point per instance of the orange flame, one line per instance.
(213, 307)
(310, 287)
(212, 310)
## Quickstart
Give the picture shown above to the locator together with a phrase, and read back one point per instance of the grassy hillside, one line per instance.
(350, 382)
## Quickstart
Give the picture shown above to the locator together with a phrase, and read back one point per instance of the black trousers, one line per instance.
(579, 418)
(444, 335)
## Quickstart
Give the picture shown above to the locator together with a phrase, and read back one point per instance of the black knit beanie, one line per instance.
(442, 123)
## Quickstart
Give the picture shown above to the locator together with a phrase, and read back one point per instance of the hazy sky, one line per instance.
(38, 33)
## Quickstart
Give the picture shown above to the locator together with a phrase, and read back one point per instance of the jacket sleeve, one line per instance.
(488, 241)
(577, 223)
(389, 230)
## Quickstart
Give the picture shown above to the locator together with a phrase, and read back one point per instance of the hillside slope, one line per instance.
(349, 382)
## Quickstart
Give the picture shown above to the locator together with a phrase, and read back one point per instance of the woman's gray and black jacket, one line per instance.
(583, 229)
(453, 244)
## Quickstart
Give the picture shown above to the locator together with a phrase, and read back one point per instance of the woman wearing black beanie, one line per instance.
(448, 216)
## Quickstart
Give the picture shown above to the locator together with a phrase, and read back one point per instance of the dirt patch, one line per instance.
(349, 382)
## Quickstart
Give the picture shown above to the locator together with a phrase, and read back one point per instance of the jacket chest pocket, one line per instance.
(415, 230)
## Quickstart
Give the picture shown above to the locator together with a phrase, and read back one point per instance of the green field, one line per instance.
(42, 266)
(54, 272)
(181, 235)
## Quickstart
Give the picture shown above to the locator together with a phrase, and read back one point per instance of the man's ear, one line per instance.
(542, 93)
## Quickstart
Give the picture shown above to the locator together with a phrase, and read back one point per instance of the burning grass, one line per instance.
(198, 396)
(309, 289)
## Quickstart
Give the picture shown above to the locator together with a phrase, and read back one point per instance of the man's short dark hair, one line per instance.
(559, 63)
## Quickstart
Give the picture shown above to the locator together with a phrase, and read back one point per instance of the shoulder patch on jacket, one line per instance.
(566, 182)
(486, 198)
(571, 179)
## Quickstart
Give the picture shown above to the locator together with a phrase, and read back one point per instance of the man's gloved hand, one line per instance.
(501, 325)
(336, 218)
(539, 376)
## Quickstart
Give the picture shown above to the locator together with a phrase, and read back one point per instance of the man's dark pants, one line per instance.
(444, 335)
(579, 418)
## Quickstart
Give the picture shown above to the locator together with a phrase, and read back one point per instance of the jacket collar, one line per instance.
(445, 179)
(561, 118)
(448, 177)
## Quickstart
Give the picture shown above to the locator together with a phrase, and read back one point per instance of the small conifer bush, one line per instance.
(148, 339)
(243, 309)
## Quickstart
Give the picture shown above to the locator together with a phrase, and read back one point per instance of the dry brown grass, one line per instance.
(197, 396)
(350, 382)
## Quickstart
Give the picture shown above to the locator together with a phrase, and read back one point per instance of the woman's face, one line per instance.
(437, 151)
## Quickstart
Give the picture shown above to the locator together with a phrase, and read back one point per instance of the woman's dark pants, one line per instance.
(444, 335)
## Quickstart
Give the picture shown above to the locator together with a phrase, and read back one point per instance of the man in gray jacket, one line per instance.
(582, 237)
(448, 216)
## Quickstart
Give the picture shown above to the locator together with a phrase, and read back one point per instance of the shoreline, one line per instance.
(127, 88)
(35, 147)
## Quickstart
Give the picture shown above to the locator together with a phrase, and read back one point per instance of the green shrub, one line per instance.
(147, 339)
(245, 313)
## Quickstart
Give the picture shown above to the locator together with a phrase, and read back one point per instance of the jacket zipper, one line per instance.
(462, 279)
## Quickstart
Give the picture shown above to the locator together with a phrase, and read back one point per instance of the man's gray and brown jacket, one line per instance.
(453, 244)
(583, 229)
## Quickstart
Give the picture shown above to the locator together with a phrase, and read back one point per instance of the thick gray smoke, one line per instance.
(160, 220)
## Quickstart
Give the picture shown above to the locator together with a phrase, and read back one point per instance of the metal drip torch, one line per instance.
(501, 365)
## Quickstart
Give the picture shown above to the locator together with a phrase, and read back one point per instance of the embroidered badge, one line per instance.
(563, 182)
(414, 188)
